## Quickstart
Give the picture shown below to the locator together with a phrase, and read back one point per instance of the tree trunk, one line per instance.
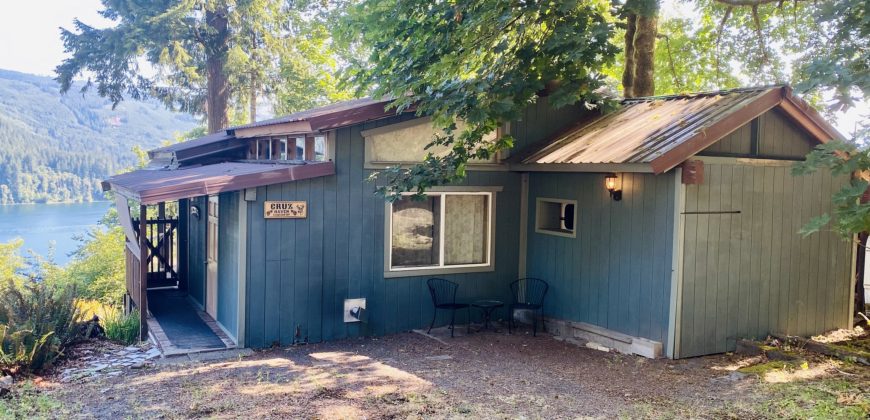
(218, 91)
(641, 19)
(628, 71)
(253, 105)
(644, 56)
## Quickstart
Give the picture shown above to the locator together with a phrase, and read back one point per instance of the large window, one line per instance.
(445, 230)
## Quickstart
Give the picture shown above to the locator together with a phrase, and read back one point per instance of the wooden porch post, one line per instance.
(143, 272)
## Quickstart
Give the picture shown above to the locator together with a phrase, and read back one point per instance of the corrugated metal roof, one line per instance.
(151, 186)
(338, 107)
(187, 144)
(644, 129)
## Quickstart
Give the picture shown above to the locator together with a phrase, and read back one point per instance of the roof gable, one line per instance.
(662, 132)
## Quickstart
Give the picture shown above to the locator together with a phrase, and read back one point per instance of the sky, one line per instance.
(30, 37)
(30, 32)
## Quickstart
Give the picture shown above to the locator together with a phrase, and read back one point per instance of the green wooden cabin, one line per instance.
(666, 228)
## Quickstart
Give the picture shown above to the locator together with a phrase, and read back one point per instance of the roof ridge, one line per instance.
(704, 93)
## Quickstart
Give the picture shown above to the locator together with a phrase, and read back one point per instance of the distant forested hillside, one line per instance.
(58, 148)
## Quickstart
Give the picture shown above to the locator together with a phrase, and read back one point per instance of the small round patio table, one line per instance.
(487, 306)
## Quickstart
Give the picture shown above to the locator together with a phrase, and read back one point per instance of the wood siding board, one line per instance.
(687, 305)
(756, 261)
(815, 290)
(823, 323)
(736, 245)
(287, 268)
(302, 281)
(787, 234)
(316, 258)
(699, 326)
(256, 329)
(330, 308)
(342, 223)
(765, 279)
(794, 284)
(723, 244)
(776, 220)
(272, 261)
(713, 258)
(806, 253)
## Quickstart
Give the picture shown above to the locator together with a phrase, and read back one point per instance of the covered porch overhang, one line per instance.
(154, 251)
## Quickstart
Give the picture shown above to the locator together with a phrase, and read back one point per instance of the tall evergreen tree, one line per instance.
(206, 55)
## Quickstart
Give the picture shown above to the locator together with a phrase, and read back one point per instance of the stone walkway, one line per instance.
(111, 363)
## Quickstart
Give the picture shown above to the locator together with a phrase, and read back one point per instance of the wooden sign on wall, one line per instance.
(285, 210)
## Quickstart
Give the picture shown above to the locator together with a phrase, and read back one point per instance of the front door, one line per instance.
(211, 258)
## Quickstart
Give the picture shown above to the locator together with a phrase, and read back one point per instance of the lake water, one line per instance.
(43, 226)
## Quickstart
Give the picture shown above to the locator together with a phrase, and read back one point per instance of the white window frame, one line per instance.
(538, 229)
(441, 268)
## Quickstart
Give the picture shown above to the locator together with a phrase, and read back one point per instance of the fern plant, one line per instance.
(37, 321)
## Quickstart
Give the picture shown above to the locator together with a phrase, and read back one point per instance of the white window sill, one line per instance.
(437, 271)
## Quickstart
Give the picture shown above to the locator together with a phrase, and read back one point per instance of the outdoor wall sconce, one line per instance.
(610, 183)
(194, 211)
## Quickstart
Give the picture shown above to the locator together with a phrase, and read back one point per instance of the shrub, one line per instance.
(97, 267)
(119, 327)
(37, 321)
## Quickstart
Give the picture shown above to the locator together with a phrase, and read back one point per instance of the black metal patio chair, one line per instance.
(528, 293)
(444, 297)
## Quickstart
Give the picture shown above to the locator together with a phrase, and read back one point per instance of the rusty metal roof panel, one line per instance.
(152, 186)
(338, 108)
(645, 128)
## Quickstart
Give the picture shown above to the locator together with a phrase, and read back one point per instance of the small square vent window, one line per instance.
(556, 217)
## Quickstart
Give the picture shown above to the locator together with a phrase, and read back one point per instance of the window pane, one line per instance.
(415, 232)
(466, 234)
(320, 148)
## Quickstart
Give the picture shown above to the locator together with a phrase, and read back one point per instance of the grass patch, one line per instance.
(122, 328)
(27, 402)
(827, 398)
(775, 365)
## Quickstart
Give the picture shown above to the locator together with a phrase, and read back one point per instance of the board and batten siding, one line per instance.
(228, 262)
(748, 274)
(616, 273)
(776, 137)
(300, 271)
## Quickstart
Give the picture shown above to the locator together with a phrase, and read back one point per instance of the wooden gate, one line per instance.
(162, 246)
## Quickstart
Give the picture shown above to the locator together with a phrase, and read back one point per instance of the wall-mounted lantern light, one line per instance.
(610, 182)
(194, 211)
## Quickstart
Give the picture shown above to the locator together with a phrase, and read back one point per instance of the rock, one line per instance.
(736, 376)
(138, 365)
(152, 354)
(6, 382)
(595, 346)
(100, 366)
(131, 348)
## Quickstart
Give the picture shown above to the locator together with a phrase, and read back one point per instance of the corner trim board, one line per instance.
(679, 233)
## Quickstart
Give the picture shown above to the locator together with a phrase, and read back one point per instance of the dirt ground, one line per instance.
(482, 375)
